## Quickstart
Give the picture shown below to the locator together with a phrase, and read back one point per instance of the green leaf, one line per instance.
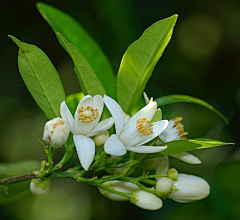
(88, 80)
(75, 34)
(19, 168)
(41, 78)
(169, 99)
(157, 116)
(179, 146)
(139, 61)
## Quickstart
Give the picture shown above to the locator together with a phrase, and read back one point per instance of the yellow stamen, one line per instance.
(87, 114)
(144, 127)
(180, 127)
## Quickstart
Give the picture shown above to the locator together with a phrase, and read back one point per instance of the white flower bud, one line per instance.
(100, 138)
(163, 167)
(56, 132)
(164, 186)
(120, 186)
(187, 158)
(40, 187)
(146, 200)
(190, 188)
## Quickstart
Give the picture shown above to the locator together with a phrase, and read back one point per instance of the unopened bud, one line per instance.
(120, 186)
(173, 173)
(40, 187)
(164, 186)
(146, 200)
(100, 138)
(163, 167)
(190, 188)
(56, 132)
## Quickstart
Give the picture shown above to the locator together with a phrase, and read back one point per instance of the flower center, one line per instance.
(180, 127)
(144, 127)
(87, 114)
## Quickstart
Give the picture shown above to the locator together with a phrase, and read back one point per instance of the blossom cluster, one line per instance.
(131, 133)
(134, 134)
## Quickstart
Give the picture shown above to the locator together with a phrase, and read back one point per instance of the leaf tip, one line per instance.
(15, 40)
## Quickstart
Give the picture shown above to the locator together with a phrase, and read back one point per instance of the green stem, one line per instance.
(18, 179)
(114, 191)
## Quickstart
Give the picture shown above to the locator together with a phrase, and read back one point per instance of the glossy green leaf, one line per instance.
(157, 116)
(75, 34)
(179, 146)
(41, 78)
(139, 61)
(170, 99)
(87, 78)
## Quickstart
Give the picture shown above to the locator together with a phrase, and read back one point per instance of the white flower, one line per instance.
(190, 188)
(120, 186)
(175, 131)
(136, 132)
(85, 124)
(40, 187)
(56, 131)
(146, 200)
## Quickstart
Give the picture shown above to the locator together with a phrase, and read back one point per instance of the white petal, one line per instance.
(85, 149)
(146, 149)
(146, 99)
(114, 146)
(117, 113)
(187, 157)
(80, 127)
(102, 126)
(158, 127)
(66, 115)
(98, 104)
(148, 111)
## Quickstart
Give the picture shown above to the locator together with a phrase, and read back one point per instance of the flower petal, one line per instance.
(102, 126)
(85, 147)
(137, 139)
(146, 149)
(83, 128)
(187, 157)
(66, 115)
(98, 104)
(117, 113)
(148, 111)
(114, 146)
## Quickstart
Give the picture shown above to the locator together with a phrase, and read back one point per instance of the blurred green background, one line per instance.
(202, 60)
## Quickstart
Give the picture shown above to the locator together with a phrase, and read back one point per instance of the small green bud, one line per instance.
(173, 174)
(100, 138)
(164, 186)
(40, 187)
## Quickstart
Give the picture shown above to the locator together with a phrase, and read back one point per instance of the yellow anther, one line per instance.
(144, 127)
(180, 127)
(87, 114)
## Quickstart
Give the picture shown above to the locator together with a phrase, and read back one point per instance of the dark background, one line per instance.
(202, 60)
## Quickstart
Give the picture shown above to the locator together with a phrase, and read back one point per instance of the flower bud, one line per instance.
(56, 132)
(100, 138)
(146, 200)
(40, 187)
(163, 167)
(173, 173)
(164, 186)
(190, 188)
(119, 186)
(187, 158)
